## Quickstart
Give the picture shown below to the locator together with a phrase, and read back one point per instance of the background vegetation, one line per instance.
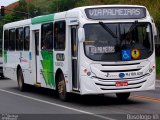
(158, 67)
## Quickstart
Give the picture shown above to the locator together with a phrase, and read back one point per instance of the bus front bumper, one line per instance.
(98, 86)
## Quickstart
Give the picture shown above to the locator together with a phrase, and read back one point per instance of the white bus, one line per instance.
(86, 50)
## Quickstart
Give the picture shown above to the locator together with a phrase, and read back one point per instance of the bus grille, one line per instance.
(112, 85)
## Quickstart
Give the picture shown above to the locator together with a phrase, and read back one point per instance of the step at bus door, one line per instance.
(37, 59)
(74, 54)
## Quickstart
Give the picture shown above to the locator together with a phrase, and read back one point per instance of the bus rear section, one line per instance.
(117, 52)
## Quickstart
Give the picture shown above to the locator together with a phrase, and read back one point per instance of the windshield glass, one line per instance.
(112, 42)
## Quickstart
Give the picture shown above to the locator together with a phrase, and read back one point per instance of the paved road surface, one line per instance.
(38, 103)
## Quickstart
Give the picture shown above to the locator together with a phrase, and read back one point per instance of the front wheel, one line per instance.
(61, 87)
(122, 96)
(20, 80)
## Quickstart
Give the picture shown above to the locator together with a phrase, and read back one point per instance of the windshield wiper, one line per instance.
(107, 29)
(133, 26)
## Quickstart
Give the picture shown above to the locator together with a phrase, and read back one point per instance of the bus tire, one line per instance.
(61, 88)
(20, 80)
(123, 96)
(2, 76)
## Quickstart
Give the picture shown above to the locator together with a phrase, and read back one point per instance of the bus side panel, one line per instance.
(14, 59)
(11, 60)
(67, 62)
(61, 55)
(25, 64)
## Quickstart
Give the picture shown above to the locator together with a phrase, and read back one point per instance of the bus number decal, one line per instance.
(60, 64)
(134, 73)
(60, 57)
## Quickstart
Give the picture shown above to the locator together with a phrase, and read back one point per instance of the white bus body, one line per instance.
(75, 60)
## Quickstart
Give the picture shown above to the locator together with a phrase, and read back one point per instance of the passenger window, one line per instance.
(19, 39)
(6, 40)
(59, 35)
(26, 38)
(47, 36)
(12, 39)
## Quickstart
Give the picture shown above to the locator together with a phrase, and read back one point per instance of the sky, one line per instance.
(6, 2)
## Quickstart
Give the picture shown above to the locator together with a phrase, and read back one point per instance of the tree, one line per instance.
(25, 10)
(62, 5)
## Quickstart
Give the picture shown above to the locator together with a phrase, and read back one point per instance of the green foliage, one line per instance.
(9, 18)
(62, 5)
(42, 5)
(25, 10)
(158, 66)
(22, 7)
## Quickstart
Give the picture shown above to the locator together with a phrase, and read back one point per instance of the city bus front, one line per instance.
(117, 54)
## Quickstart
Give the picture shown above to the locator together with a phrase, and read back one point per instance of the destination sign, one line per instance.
(115, 13)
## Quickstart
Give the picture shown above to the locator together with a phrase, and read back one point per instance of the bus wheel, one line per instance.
(2, 76)
(20, 80)
(61, 85)
(122, 96)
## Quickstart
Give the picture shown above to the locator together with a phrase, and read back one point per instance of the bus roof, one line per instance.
(42, 19)
(18, 23)
(96, 6)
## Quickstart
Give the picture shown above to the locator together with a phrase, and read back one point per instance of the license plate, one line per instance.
(120, 84)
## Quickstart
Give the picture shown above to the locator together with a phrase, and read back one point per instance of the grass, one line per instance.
(158, 67)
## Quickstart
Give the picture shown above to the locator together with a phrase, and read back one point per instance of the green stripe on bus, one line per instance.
(42, 19)
(5, 56)
(47, 67)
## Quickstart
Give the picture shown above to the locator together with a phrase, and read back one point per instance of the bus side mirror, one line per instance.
(81, 34)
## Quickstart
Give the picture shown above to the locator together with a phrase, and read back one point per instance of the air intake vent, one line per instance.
(130, 70)
(120, 64)
(121, 88)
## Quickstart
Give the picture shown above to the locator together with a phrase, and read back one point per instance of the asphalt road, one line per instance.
(43, 104)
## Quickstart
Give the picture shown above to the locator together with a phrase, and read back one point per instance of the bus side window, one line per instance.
(47, 36)
(12, 39)
(6, 40)
(26, 38)
(19, 39)
(59, 35)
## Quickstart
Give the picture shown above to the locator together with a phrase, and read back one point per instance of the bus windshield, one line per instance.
(107, 45)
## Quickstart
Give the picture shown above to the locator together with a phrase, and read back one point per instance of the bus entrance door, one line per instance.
(74, 49)
(37, 58)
